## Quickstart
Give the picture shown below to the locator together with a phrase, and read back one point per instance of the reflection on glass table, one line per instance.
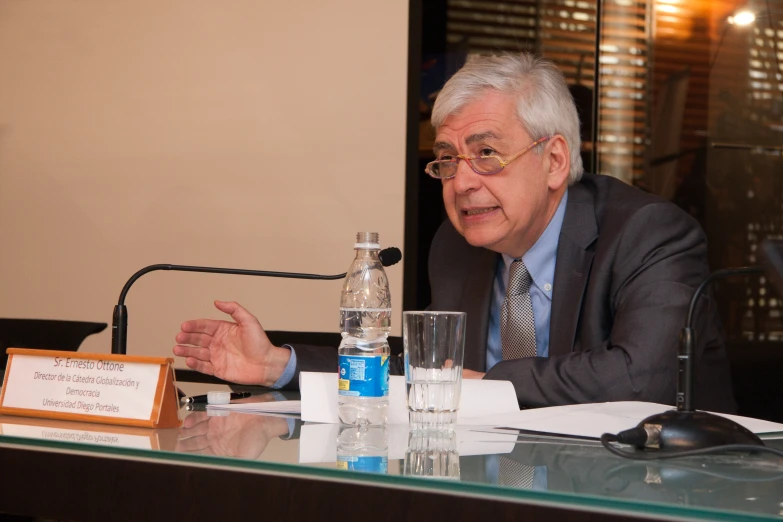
(227, 435)
(433, 454)
(553, 468)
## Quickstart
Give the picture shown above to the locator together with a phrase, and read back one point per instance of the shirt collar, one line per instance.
(540, 259)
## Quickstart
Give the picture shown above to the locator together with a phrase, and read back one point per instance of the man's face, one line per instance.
(508, 211)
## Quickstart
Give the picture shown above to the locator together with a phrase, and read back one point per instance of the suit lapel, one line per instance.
(572, 268)
(475, 301)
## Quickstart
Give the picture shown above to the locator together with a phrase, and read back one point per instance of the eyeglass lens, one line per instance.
(447, 169)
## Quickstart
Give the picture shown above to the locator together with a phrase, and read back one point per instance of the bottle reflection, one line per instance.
(432, 453)
(363, 448)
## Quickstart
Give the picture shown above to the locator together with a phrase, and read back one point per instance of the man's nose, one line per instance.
(465, 180)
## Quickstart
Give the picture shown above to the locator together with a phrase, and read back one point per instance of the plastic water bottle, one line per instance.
(363, 448)
(365, 322)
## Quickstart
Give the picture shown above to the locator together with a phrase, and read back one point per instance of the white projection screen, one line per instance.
(242, 133)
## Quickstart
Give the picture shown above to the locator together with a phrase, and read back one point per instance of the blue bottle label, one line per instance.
(363, 375)
(365, 464)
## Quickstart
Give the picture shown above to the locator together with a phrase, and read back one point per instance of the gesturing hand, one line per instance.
(236, 351)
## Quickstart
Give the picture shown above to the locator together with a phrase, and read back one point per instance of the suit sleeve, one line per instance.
(645, 281)
(311, 358)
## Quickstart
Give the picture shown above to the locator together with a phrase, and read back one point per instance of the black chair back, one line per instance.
(755, 374)
(44, 334)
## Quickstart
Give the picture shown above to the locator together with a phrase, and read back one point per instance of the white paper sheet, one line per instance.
(482, 403)
(478, 398)
(593, 420)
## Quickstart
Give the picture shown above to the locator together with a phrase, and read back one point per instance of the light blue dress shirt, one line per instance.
(540, 262)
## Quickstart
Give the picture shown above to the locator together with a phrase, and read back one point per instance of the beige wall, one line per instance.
(247, 134)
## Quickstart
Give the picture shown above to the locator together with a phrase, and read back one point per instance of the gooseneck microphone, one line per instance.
(688, 337)
(685, 431)
(119, 326)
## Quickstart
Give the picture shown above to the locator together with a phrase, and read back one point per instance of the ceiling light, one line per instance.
(742, 18)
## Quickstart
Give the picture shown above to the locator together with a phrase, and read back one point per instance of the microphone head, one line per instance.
(390, 256)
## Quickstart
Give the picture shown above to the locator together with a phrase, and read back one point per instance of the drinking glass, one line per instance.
(434, 349)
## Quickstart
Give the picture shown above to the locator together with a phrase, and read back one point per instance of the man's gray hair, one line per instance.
(545, 106)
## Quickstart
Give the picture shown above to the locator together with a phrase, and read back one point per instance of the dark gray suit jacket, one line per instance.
(627, 265)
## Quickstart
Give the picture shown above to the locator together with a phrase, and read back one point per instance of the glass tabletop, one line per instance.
(480, 461)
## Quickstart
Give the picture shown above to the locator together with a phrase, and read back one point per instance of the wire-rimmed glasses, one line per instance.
(484, 165)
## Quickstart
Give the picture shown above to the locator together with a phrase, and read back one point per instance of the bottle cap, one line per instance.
(218, 397)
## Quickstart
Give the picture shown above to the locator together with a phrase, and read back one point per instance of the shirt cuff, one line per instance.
(288, 372)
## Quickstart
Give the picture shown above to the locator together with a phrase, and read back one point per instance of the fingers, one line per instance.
(200, 366)
(194, 339)
(195, 352)
(210, 326)
(207, 326)
(237, 313)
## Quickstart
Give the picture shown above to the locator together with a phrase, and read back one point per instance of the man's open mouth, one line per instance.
(476, 211)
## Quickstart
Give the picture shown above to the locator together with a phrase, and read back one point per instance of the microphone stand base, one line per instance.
(691, 430)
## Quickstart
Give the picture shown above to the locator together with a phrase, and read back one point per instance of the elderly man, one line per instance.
(576, 286)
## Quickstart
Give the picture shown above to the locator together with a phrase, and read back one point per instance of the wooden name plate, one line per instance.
(90, 387)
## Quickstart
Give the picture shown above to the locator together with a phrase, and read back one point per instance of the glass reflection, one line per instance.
(433, 454)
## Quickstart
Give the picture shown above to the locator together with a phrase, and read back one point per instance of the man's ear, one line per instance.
(558, 162)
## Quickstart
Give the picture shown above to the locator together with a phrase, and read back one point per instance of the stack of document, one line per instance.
(488, 404)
